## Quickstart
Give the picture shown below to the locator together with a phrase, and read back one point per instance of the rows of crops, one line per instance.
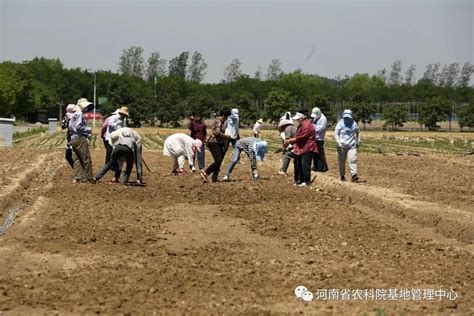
(153, 139)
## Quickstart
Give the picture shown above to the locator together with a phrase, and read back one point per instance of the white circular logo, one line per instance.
(307, 296)
(300, 290)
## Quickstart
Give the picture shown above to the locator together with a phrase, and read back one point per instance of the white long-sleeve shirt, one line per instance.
(114, 123)
(257, 127)
(320, 126)
(347, 136)
(179, 144)
(125, 136)
(231, 127)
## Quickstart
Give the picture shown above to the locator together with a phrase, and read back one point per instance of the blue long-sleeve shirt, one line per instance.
(347, 136)
(78, 126)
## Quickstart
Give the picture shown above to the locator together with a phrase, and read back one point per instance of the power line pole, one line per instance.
(94, 97)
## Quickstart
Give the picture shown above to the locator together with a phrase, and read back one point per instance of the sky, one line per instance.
(328, 38)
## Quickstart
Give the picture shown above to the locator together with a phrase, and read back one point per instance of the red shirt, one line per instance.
(305, 138)
(198, 130)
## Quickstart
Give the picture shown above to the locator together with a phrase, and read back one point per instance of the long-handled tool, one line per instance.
(146, 166)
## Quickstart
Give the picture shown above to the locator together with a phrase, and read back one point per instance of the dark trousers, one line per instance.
(68, 156)
(319, 159)
(120, 153)
(218, 153)
(82, 159)
(108, 153)
(138, 161)
(302, 164)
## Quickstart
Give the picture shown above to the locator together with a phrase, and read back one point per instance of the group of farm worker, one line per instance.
(122, 145)
(225, 132)
(305, 144)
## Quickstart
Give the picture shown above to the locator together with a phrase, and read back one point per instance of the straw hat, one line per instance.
(82, 104)
(123, 110)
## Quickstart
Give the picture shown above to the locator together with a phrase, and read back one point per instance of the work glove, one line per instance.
(255, 175)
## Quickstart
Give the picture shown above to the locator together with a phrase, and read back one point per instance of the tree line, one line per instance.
(164, 92)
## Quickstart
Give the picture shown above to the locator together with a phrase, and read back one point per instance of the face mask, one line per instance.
(347, 121)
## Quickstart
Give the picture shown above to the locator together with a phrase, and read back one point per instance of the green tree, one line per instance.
(433, 111)
(379, 91)
(274, 71)
(359, 88)
(361, 93)
(49, 82)
(172, 104)
(156, 66)
(395, 116)
(258, 73)
(16, 95)
(432, 73)
(232, 72)
(363, 111)
(203, 104)
(277, 103)
(178, 66)
(395, 77)
(132, 62)
(410, 75)
(466, 115)
(197, 69)
(303, 87)
(382, 74)
(465, 76)
(321, 102)
(248, 110)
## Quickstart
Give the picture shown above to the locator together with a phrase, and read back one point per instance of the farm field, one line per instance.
(181, 246)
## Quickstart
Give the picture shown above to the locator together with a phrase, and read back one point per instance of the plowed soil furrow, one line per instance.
(181, 246)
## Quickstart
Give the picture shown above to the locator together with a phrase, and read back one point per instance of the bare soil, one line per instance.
(181, 246)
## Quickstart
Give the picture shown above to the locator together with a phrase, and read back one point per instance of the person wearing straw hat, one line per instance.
(80, 134)
(126, 145)
(320, 124)
(257, 127)
(255, 150)
(287, 130)
(180, 146)
(348, 140)
(304, 146)
(113, 123)
(65, 125)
